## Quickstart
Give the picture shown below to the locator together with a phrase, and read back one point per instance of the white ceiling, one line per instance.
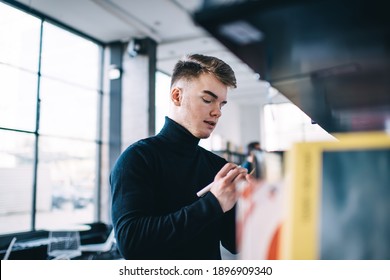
(168, 22)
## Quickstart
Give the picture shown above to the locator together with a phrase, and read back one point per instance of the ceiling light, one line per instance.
(114, 72)
(241, 32)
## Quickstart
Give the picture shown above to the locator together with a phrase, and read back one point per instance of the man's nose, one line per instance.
(216, 112)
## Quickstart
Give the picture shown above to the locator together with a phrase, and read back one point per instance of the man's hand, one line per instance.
(224, 185)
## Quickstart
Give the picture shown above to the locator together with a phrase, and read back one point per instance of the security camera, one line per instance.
(135, 47)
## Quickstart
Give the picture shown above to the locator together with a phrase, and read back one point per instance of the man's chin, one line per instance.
(203, 135)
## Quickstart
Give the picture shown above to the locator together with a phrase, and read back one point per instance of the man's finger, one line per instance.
(226, 169)
(234, 173)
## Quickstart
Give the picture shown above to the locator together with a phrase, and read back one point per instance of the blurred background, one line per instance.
(80, 80)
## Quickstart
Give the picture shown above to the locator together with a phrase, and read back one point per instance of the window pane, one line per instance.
(162, 99)
(19, 38)
(66, 182)
(16, 183)
(69, 57)
(285, 124)
(67, 110)
(18, 98)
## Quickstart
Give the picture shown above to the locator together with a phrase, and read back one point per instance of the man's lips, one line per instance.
(211, 123)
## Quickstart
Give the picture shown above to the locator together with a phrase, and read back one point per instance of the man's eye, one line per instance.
(206, 101)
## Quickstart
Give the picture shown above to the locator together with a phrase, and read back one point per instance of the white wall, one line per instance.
(250, 124)
(239, 124)
(134, 99)
(228, 124)
(134, 124)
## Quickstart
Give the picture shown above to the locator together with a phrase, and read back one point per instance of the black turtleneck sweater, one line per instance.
(155, 211)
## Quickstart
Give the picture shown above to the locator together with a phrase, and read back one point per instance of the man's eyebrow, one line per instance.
(213, 95)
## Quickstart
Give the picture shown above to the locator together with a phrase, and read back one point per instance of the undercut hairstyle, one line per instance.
(192, 66)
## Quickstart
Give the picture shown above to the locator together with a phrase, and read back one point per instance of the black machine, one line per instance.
(331, 58)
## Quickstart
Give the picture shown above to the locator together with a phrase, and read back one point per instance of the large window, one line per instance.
(285, 124)
(49, 124)
(162, 99)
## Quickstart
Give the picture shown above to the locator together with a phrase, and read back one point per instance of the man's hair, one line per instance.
(192, 66)
(253, 146)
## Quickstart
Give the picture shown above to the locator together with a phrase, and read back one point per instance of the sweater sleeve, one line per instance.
(140, 233)
(228, 238)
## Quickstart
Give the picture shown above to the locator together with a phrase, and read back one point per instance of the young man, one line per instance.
(155, 210)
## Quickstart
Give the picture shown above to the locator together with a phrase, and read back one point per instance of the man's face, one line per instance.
(198, 104)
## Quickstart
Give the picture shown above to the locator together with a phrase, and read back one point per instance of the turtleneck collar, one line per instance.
(178, 135)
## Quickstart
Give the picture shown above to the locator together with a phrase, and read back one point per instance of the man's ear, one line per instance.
(176, 96)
